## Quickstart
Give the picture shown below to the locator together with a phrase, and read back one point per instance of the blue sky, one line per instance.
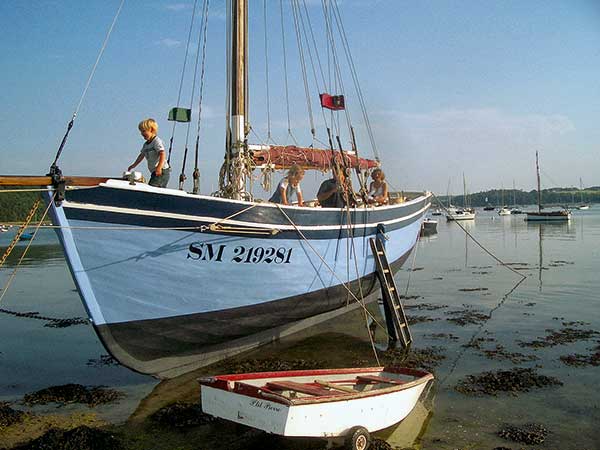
(450, 86)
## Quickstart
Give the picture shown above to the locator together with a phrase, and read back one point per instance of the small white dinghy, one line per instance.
(325, 403)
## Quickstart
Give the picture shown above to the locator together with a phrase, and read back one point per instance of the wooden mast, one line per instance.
(239, 83)
(539, 191)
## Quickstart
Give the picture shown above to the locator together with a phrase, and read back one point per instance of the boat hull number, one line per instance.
(201, 251)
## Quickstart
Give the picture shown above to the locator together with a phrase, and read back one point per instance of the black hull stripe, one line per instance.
(219, 209)
(144, 346)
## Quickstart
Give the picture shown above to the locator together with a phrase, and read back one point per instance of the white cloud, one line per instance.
(178, 6)
(491, 146)
(168, 42)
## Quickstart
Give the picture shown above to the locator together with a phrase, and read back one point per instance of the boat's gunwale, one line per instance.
(234, 384)
(125, 185)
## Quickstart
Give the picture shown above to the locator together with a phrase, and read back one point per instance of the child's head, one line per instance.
(295, 173)
(148, 128)
(378, 174)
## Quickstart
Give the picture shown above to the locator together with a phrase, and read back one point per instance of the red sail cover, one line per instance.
(334, 102)
(282, 157)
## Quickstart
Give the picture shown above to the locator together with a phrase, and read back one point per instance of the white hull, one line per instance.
(317, 417)
(460, 216)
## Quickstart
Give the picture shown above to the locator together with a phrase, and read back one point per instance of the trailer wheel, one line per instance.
(358, 439)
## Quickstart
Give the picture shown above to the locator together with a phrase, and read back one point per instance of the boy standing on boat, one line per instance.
(154, 152)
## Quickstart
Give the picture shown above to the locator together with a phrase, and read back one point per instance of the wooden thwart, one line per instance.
(298, 387)
(335, 386)
(377, 379)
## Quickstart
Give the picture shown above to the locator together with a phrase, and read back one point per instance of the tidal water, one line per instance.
(542, 278)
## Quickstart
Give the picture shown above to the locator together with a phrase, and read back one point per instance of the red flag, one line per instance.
(334, 102)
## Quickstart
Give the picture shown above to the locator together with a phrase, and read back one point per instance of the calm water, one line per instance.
(560, 262)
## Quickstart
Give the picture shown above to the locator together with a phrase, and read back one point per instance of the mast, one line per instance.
(239, 102)
(539, 191)
(464, 192)
(514, 194)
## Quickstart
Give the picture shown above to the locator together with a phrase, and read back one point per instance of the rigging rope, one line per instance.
(187, 49)
(295, 11)
(87, 85)
(196, 174)
(267, 72)
(287, 96)
(343, 284)
(182, 176)
(355, 78)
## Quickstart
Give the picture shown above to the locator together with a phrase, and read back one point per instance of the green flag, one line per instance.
(180, 115)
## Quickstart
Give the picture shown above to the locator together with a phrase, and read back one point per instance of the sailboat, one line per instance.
(583, 205)
(503, 211)
(173, 281)
(540, 215)
(464, 213)
(515, 209)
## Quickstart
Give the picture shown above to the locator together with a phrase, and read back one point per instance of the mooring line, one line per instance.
(477, 242)
(14, 272)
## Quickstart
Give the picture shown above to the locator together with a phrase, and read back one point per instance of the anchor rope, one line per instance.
(478, 331)
(31, 315)
(502, 263)
(20, 231)
(16, 238)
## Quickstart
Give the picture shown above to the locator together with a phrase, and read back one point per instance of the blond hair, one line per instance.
(378, 170)
(295, 170)
(148, 125)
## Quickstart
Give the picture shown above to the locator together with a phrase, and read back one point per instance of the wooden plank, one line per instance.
(377, 379)
(298, 387)
(40, 180)
(335, 386)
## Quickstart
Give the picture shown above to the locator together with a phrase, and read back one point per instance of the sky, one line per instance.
(469, 87)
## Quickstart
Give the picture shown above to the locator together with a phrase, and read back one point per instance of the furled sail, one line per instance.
(282, 157)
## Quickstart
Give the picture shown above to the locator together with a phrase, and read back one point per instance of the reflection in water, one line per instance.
(37, 256)
(564, 231)
(408, 433)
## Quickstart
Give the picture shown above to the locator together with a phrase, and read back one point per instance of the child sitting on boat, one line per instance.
(378, 190)
(154, 152)
(288, 188)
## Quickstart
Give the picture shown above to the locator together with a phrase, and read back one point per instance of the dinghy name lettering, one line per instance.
(263, 405)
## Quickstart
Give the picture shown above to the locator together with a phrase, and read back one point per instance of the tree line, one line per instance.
(513, 197)
(15, 206)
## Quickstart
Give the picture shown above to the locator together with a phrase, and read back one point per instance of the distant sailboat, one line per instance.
(464, 213)
(583, 205)
(560, 215)
(503, 211)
